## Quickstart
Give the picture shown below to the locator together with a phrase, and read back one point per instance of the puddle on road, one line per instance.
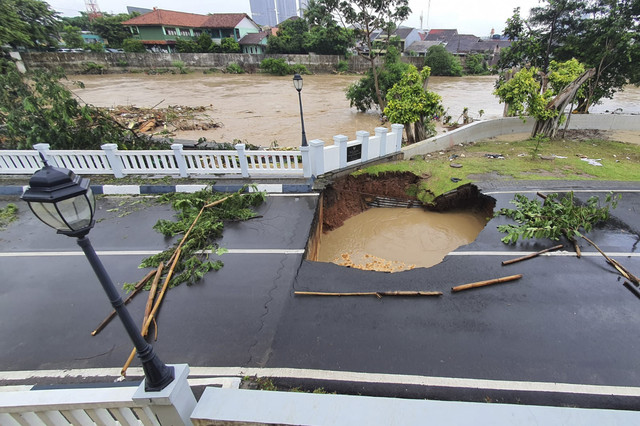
(396, 239)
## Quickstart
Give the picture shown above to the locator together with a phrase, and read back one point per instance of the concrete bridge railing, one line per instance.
(313, 160)
(481, 130)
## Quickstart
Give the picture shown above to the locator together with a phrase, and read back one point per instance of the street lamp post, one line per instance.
(297, 83)
(64, 201)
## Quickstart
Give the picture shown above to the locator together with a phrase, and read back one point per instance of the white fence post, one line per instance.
(242, 156)
(110, 150)
(174, 404)
(397, 130)
(363, 138)
(341, 142)
(381, 133)
(43, 148)
(306, 161)
(182, 163)
(317, 156)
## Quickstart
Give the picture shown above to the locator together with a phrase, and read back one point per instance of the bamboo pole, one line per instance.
(152, 292)
(532, 255)
(625, 273)
(156, 306)
(485, 283)
(378, 294)
(112, 315)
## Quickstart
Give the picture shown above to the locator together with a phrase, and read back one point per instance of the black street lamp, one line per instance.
(65, 202)
(297, 83)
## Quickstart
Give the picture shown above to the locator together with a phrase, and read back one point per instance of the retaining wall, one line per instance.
(481, 130)
(123, 62)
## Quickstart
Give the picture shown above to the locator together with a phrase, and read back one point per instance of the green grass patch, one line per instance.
(8, 215)
(523, 160)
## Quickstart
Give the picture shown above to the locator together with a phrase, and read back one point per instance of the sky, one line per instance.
(468, 16)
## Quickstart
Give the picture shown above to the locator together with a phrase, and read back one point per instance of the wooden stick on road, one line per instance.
(112, 315)
(532, 255)
(485, 283)
(378, 294)
(156, 306)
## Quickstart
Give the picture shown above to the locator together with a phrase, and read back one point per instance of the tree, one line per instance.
(442, 62)
(330, 39)
(72, 37)
(363, 94)
(110, 28)
(368, 16)
(290, 37)
(132, 45)
(230, 45)
(36, 108)
(28, 23)
(602, 34)
(475, 64)
(543, 96)
(187, 45)
(205, 43)
(410, 103)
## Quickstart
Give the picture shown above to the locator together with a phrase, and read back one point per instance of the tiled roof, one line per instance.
(422, 46)
(224, 20)
(441, 35)
(168, 17)
(253, 38)
(403, 32)
(163, 42)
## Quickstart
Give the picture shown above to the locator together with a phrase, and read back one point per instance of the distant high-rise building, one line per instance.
(286, 9)
(263, 12)
(304, 5)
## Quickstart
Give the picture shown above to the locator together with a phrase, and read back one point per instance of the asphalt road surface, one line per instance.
(565, 334)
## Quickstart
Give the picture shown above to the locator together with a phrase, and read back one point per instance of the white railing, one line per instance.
(314, 160)
(74, 406)
(122, 405)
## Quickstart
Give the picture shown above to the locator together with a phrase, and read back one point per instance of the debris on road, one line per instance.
(378, 294)
(163, 120)
(486, 283)
(532, 255)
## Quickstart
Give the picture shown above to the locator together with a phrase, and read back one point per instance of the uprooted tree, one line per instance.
(559, 217)
(544, 96)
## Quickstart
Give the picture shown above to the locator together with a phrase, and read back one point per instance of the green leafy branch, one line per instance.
(201, 215)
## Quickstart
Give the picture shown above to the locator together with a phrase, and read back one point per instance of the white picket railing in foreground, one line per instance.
(313, 160)
(74, 406)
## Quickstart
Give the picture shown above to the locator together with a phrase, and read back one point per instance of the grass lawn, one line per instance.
(522, 161)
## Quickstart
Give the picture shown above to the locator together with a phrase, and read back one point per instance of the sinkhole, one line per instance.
(371, 223)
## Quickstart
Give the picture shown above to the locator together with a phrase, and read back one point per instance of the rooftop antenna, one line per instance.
(93, 11)
(421, 27)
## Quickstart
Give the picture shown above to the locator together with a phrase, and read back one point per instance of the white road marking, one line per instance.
(547, 191)
(198, 373)
(550, 254)
(143, 252)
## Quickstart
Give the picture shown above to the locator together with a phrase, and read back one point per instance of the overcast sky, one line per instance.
(468, 16)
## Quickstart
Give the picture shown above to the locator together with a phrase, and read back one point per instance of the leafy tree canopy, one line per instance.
(131, 45)
(72, 37)
(442, 62)
(602, 34)
(28, 23)
(290, 37)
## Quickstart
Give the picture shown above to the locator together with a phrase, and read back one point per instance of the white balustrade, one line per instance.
(314, 160)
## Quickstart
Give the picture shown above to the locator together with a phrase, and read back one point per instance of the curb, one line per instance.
(17, 190)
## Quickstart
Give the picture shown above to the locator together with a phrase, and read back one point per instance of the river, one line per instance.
(262, 109)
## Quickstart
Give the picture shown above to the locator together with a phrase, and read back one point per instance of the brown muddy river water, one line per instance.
(260, 109)
(395, 239)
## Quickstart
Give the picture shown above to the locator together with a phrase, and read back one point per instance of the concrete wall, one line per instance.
(481, 130)
(114, 62)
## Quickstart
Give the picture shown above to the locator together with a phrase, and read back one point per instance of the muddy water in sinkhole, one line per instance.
(396, 239)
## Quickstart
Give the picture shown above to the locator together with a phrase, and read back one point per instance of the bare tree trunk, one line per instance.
(549, 127)
(410, 138)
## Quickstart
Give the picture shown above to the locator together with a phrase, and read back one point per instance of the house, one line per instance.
(159, 29)
(420, 47)
(254, 42)
(441, 35)
(404, 35)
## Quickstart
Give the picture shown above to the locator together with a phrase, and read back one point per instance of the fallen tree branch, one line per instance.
(485, 283)
(532, 255)
(378, 294)
(139, 286)
(625, 273)
(632, 289)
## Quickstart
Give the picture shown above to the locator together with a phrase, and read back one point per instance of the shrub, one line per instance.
(234, 68)
(131, 45)
(92, 68)
(343, 66)
(275, 66)
(442, 62)
(298, 68)
(180, 66)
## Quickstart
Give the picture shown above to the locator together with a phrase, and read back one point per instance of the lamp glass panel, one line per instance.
(297, 83)
(48, 214)
(78, 211)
